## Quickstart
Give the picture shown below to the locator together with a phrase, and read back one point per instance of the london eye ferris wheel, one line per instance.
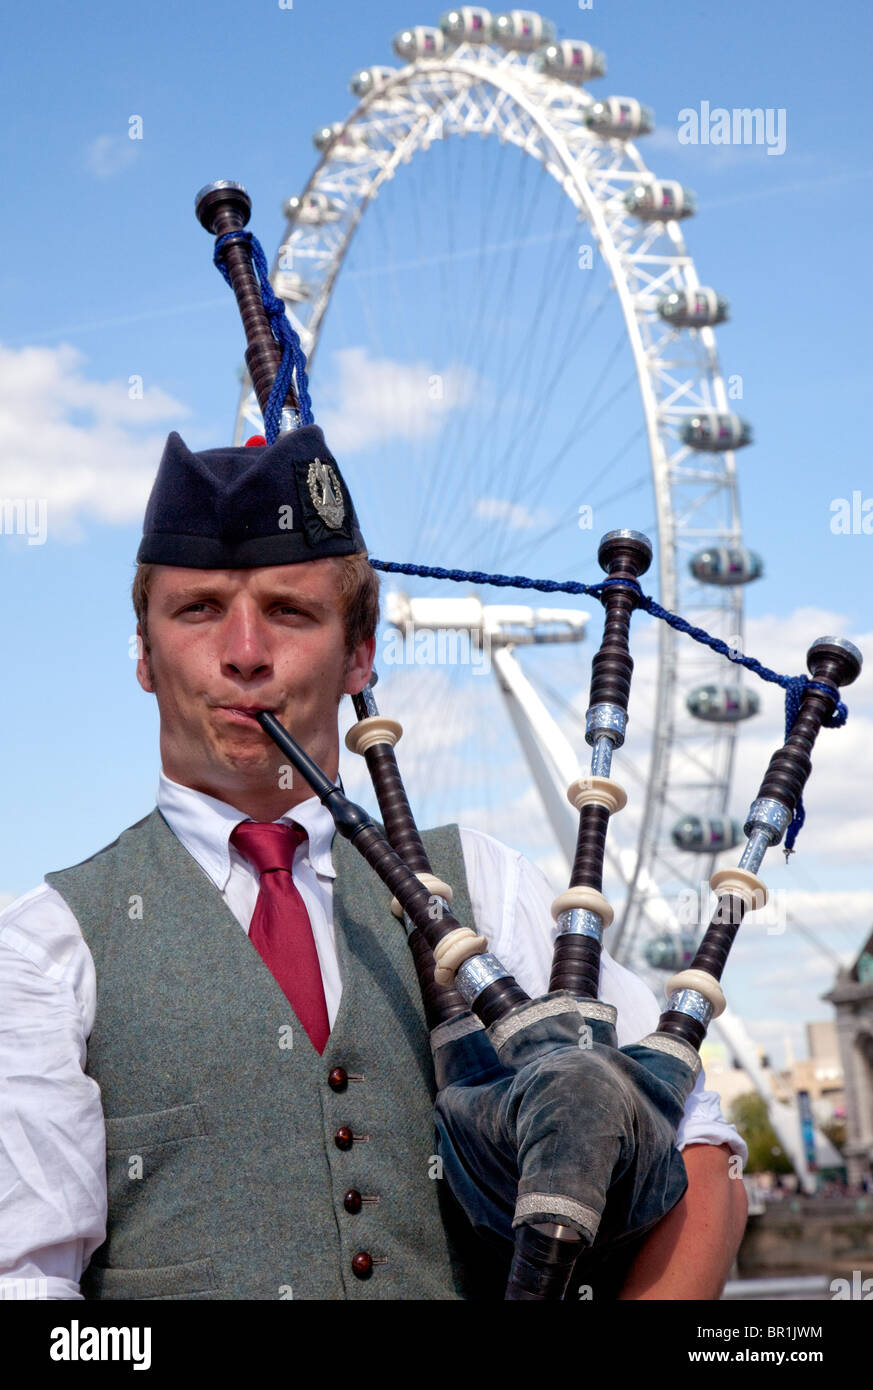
(507, 330)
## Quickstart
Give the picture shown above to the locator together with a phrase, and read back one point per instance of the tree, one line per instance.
(749, 1114)
(836, 1132)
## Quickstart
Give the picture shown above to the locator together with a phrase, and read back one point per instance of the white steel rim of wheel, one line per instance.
(484, 90)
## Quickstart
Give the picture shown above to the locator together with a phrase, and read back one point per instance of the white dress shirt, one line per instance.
(53, 1200)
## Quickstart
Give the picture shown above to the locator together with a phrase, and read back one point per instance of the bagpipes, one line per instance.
(558, 1145)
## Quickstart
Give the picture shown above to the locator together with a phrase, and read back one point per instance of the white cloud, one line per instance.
(513, 515)
(110, 154)
(371, 400)
(83, 445)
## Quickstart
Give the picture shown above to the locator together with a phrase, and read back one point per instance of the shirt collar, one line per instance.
(204, 826)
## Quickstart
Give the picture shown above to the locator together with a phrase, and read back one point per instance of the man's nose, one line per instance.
(245, 642)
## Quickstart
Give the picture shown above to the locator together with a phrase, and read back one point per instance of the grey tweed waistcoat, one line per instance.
(225, 1178)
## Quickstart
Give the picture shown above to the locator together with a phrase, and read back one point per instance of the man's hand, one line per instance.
(689, 1254)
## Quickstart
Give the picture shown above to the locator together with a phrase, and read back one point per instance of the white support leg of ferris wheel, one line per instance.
(784, 1118)
(554, 766)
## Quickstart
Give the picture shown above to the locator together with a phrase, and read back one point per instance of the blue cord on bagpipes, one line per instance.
(293, 366)
(293, 363)
(793, 686)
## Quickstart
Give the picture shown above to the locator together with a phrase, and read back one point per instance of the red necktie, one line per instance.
(281, 930)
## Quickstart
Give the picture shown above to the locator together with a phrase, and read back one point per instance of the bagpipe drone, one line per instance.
(558, 1145)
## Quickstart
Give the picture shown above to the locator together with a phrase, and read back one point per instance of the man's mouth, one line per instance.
(245, 713)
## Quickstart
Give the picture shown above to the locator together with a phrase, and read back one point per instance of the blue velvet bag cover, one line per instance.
(556, 1123)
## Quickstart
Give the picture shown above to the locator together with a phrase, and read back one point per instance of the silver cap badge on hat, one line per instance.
(326, 493)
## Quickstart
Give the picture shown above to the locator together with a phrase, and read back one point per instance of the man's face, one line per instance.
(226, 641)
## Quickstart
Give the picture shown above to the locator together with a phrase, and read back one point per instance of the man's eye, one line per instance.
(202, 604)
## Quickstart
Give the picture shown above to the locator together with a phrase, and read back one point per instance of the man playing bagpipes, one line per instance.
(188, 1117)
(267, 1113)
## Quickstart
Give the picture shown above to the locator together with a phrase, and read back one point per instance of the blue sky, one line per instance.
(106, 275)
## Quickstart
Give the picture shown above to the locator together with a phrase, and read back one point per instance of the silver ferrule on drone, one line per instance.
(477, 973)
(605, 727)
(766, 824)
(606, 721)
(688, 1001)
(580, 922)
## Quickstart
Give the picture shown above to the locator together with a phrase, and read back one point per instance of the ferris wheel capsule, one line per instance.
(572, 61)
(325, 136)
(290, 286)
(524, 30)
(713, 431)
(366, 80)
(421, 41)
(468, 24)
(343, 143)
(661, 200)
(311, 210)
(694, 308)
(722, 704)
(706, 835)
(620, 118)
(672, 951)
(726, 565)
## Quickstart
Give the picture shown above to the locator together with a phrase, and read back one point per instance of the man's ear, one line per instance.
(143, 664)
(360, 666)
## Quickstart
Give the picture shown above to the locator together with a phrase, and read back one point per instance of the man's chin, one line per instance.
(254, 754)
(245, 752)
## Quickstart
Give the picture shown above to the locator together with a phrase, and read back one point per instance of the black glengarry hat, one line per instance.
(239, 508)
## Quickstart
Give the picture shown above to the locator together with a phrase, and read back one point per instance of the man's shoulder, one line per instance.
(486, 856)
(44, 902)
(486, 859)
(92, 889)
(483, 839)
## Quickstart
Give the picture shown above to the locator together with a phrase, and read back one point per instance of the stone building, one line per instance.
(820, 1075)
(852, 997)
